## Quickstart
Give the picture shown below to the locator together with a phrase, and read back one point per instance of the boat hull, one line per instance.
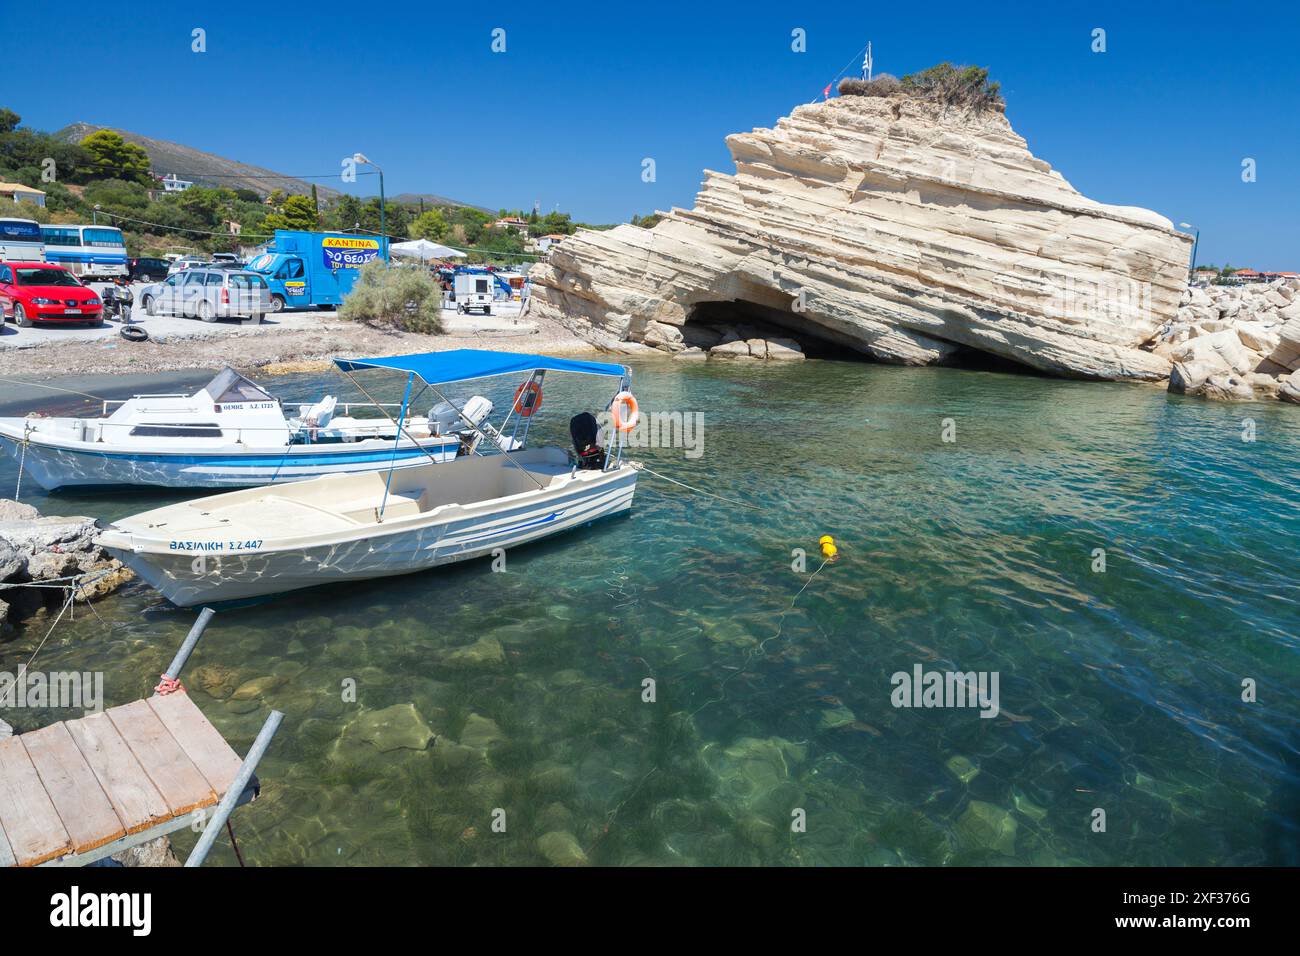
(65, 464)
(206, 572)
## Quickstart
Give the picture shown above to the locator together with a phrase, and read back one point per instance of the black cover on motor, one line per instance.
(584, 429)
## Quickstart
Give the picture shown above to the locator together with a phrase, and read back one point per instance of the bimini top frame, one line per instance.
(464, 365)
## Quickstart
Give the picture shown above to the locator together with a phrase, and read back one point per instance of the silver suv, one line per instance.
(209, 294)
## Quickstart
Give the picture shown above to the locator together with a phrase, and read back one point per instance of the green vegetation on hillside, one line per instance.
(104, 178)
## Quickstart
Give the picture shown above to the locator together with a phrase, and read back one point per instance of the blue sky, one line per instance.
(1163, 118)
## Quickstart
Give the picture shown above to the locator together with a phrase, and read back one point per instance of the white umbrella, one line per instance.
(423, 250)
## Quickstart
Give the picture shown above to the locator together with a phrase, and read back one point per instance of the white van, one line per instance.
(473, 291)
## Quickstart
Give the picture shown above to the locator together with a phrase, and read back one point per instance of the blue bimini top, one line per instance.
(461, 365)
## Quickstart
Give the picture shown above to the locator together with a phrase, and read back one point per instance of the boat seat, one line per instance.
(401, 504)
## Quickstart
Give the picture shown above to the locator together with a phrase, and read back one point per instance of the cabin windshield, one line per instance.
(230, 386)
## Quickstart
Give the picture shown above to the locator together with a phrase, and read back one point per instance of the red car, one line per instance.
(43, 292)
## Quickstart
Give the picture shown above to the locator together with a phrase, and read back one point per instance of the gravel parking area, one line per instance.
(287, 337)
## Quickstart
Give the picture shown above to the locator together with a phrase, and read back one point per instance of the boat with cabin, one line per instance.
(234, 433)
(351, 527)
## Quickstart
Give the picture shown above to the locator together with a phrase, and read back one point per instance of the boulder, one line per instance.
(738, 349)
(661, 336)
(13, 562)
(1187, 378)
(1287, 351)
(1258, 336)
(784, 350)
(1222, 351)
(1290, 390)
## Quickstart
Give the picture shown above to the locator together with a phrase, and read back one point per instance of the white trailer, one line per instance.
(473, 291)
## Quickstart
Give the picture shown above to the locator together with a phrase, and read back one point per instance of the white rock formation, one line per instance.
(911, 231)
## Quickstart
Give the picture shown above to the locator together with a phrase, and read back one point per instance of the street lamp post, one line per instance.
(1195, 241)
(360, 158)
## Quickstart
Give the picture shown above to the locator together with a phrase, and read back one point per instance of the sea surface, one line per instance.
(1126, 562)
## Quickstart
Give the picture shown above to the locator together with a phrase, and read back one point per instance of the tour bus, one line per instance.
(20, 241)
(88, 251)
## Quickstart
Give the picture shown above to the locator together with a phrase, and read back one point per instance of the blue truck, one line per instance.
(306, 269)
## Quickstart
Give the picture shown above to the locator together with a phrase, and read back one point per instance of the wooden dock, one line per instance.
(79, 790)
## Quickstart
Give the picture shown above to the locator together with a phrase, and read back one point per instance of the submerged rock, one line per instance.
(756, 775)
(562, 849)
(258, 687)
(484, 653)
(985, 826)
(480, 732)
(961, 768)
(399, 727)
(215, 680)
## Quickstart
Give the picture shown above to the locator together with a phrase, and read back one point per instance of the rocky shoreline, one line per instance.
(41, 556)
(1236, 343)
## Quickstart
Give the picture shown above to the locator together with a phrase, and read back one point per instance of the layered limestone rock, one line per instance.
(893, 226)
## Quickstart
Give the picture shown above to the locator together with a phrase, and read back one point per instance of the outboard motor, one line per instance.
(585, 432)
(469, 424)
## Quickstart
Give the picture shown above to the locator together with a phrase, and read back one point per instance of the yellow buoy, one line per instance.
(829, 551)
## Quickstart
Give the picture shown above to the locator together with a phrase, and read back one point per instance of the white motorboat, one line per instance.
(262, 541)
(233, 433)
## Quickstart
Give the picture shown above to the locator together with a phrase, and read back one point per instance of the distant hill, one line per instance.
(207, 169)
(431, 199)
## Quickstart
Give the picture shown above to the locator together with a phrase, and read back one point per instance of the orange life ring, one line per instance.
(525, 406)
(633, 411)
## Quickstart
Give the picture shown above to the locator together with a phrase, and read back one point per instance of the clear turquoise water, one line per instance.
(1119, 690)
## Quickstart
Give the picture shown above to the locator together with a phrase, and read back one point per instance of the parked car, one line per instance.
(147, 270)
(43, 292)
(226, 258)
(185, 262)
(209, 294)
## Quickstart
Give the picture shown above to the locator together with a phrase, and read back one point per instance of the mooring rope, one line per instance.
(53, 388)
(639, 466)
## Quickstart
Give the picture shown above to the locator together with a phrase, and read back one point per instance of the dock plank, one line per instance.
(32, 825)
(172, 772)
(137, 801)
(202, 742)
(87, 814)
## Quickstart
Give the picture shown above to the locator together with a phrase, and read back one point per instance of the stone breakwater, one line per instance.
(38, 550)
(912, 233)
(1237, 343)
